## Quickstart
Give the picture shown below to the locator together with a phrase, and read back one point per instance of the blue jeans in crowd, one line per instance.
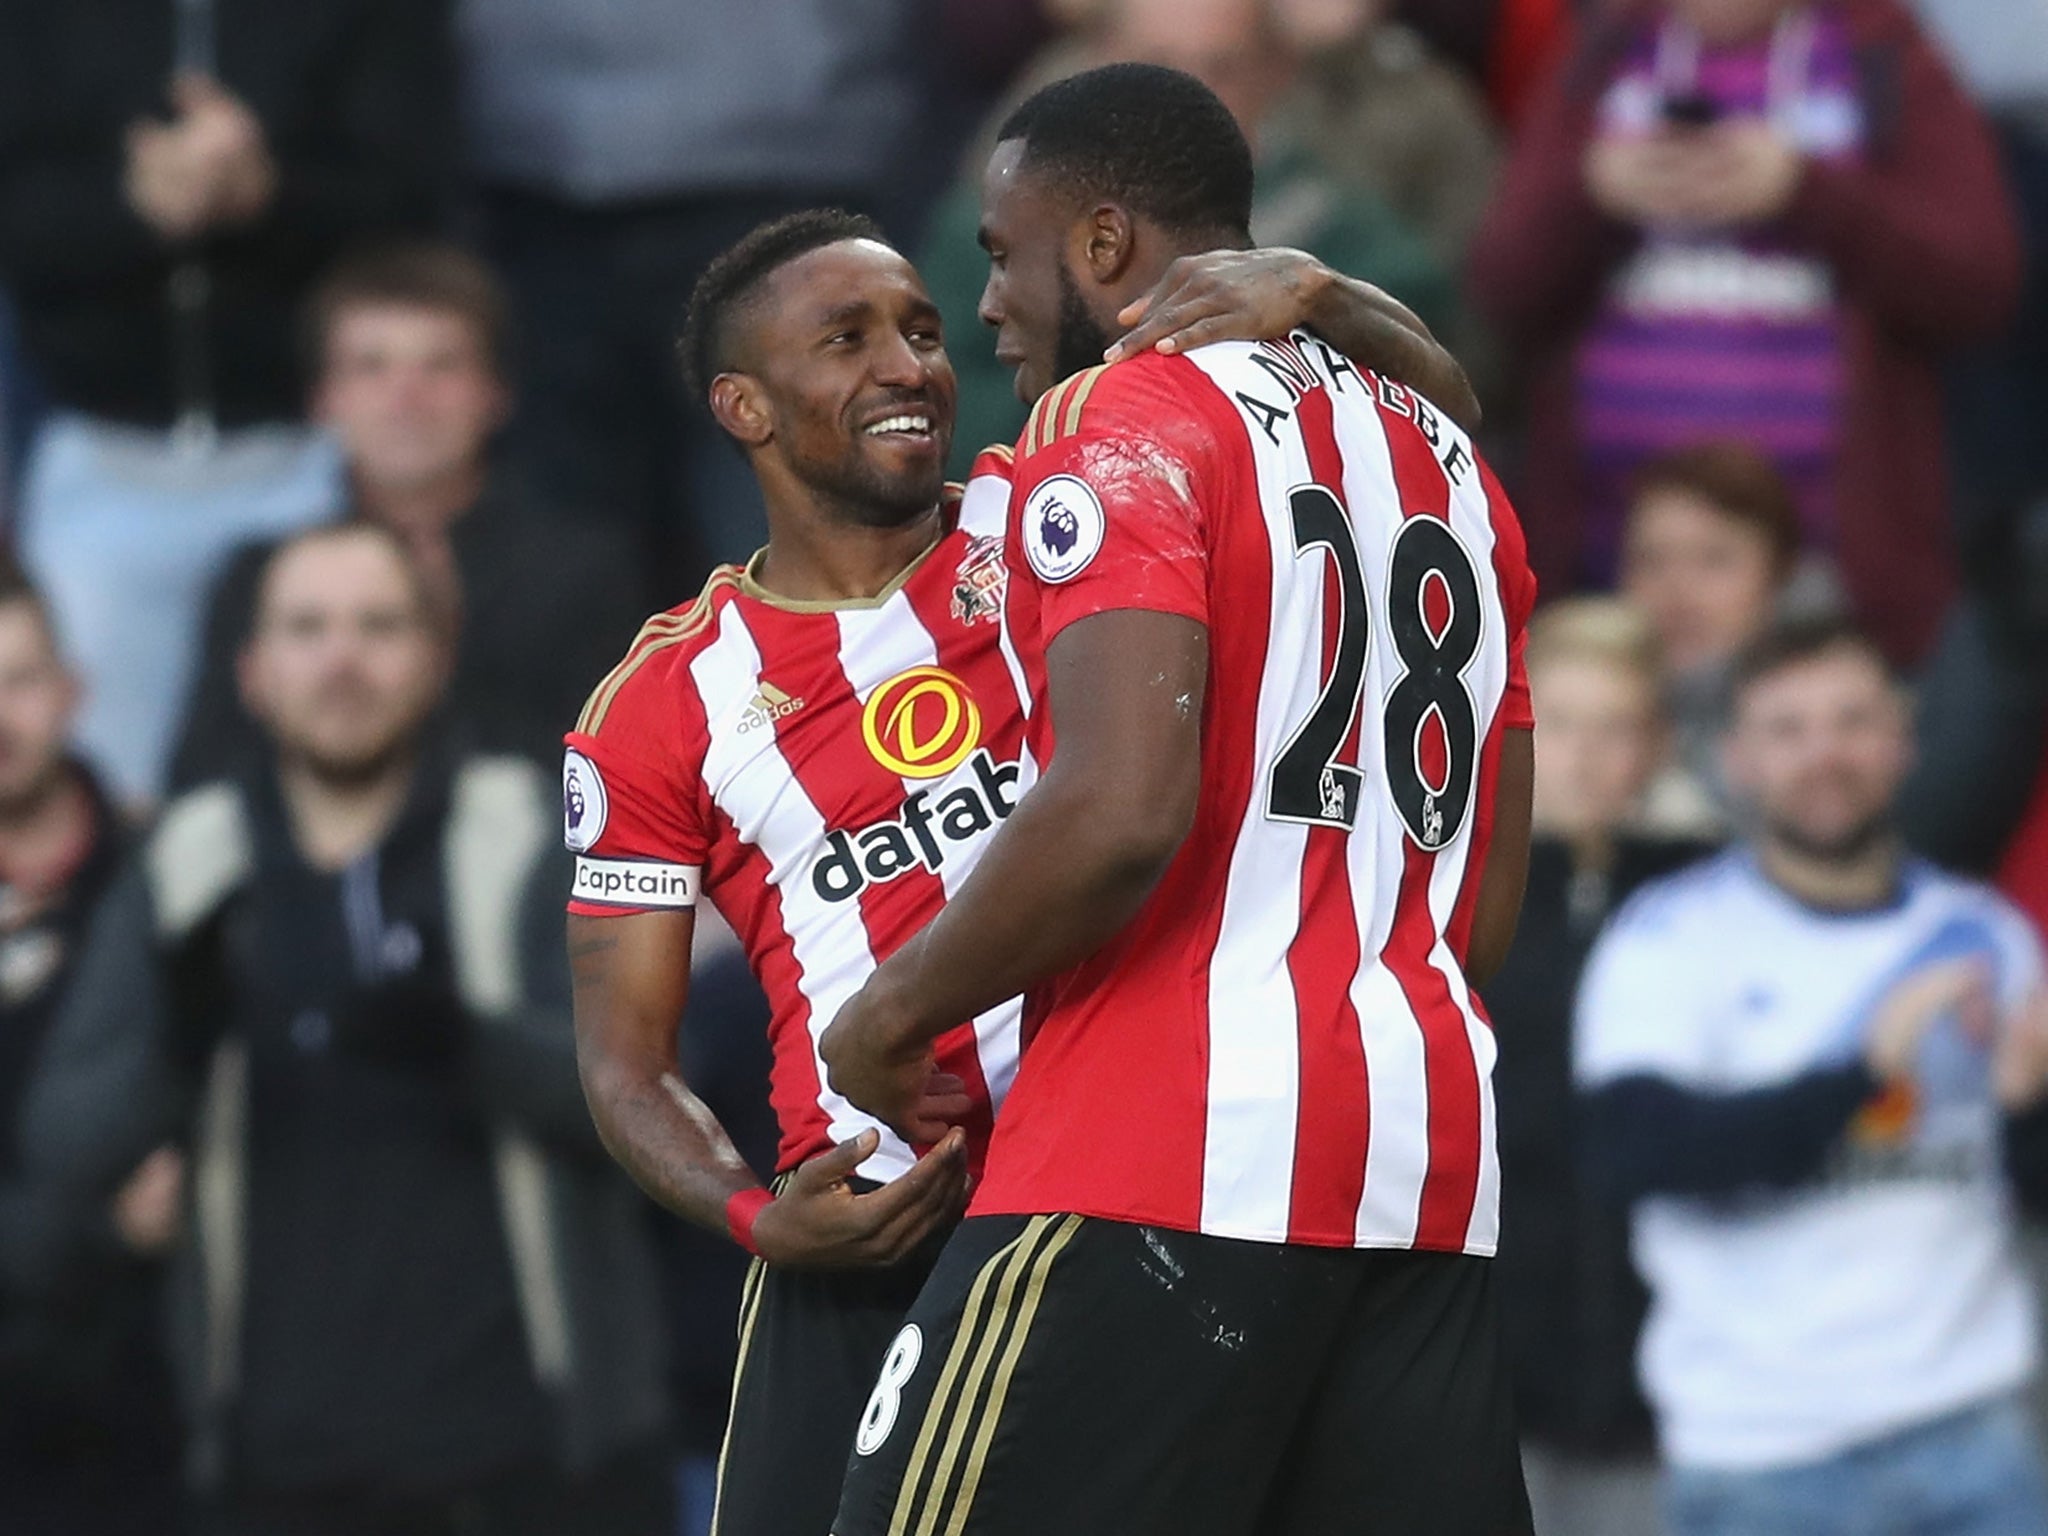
(125, 530)
(1976, 1473)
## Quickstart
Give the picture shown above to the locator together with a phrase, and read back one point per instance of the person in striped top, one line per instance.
(821, 744)
(1225, 1271)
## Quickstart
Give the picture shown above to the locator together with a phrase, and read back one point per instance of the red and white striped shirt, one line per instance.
(828, 773)
(1281, 1045)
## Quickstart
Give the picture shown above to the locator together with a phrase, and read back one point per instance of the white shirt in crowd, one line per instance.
(1788, 1326)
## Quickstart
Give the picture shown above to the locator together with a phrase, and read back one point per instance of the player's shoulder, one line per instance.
(1149, 394)
(658, 661)
(979, 507)
(996, 461)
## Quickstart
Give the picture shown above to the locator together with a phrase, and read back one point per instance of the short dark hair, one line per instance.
(1794, 641)
(736, 273)
(415, 274)
(1155, 140)
(345, 531)
(1739, 482)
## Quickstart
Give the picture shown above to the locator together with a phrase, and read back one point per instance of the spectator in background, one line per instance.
(1985, 704)
(620, 148)
(408, 350)
(172, 175)
(88, 1434)
(1798, 1058)
(1756, 219)
(1305, 195)
(1571, 1303)
(1382, 110)
(418, 1298)
(1386, 116)
(2000, 393)
(1506, 45)
(1708, 549)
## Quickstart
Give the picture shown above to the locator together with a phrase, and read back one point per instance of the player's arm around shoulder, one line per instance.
(1254, 295)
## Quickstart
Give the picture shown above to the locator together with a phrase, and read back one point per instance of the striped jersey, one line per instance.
(1281, 1045)
(825, 773)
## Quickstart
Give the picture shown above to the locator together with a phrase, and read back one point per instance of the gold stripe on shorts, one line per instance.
(999, 1389)
(751, 1290)
(963, 1345)
(977, 1348)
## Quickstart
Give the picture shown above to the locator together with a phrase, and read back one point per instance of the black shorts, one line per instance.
(1063, 1374)
(811, 1342)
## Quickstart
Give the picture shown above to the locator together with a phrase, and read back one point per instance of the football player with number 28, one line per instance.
(1226, 1272)
(821, 745)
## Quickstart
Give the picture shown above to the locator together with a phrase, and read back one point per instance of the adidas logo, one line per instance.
(769, 704)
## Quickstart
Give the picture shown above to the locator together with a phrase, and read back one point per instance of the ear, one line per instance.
(1105, 241)
(741, 406)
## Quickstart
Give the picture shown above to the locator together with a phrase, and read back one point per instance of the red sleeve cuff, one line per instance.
(742, 1211)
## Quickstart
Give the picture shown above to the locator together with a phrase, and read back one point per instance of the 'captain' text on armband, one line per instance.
(635, 883)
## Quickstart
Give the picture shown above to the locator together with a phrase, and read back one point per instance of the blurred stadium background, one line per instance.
(1755, 293)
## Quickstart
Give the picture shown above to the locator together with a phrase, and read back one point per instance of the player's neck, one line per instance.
(809, 560)
(1869, 879)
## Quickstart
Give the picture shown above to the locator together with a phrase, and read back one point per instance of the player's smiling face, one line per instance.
(851, 370)
(1044, 329)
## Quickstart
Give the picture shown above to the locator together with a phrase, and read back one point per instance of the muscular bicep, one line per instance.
(631, 976)
(1507, 858)
(1126, 689)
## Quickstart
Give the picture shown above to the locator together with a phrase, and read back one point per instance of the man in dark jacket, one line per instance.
(417, 1298)
(88, 1437)
(408, 347)
(172, 175)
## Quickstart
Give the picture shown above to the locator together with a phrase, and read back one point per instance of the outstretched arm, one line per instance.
(632, 979)
(1069, 868)
(1250, 295)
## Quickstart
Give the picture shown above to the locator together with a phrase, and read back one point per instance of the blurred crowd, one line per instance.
(343, 447)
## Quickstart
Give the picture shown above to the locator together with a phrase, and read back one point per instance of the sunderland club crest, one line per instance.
(980, 581)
